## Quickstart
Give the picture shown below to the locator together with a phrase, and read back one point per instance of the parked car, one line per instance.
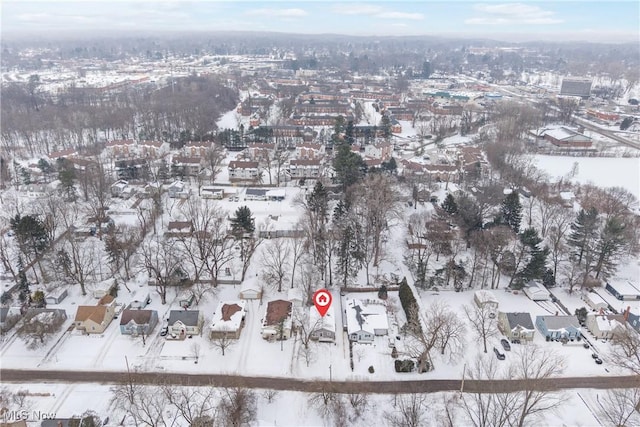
(598, 361)
(594, 356)
(164, 331)
(505, 344)
(499, 355)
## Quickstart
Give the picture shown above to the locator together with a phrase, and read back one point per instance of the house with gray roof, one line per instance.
(559, 327)
(516, 326)
(183, 323)
(138, 322)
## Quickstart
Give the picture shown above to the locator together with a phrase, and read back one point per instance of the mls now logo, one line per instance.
(13, 415)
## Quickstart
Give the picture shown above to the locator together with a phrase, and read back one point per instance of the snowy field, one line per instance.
(601, 171)
(580, 407)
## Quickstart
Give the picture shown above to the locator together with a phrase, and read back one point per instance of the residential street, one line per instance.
(379, 387)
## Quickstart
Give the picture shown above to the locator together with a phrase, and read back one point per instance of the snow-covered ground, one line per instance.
(579, 407)
(601, 171)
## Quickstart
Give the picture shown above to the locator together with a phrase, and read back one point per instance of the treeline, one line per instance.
(40, 122)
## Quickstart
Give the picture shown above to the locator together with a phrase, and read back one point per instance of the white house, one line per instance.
(536, 291)
(228, 319)
(323, 328)
(603, 326)
(365, 321)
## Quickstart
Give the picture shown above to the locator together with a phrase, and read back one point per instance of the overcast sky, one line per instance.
(526, 20)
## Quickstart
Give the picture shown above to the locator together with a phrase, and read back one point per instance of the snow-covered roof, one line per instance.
(607, 323)
(485, 297)
(228, 316)
(368, 318)
(536, 291)
(561, 323)
(317, 322)
(276, 193)
(567, 195)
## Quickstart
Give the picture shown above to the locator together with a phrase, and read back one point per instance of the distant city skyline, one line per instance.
(595, 21)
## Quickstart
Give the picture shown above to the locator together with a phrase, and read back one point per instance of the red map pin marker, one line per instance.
(322, 300)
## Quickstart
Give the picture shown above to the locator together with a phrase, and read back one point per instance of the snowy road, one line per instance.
(377, 387)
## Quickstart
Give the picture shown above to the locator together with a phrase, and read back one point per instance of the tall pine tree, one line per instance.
(608, 247)
(584, 232)
(449, 204)
(511, 211)
(242, 222)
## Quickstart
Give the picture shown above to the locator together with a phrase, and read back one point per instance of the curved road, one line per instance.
(383, 387)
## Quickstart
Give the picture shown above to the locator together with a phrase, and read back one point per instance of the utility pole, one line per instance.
(330, 376)
(464, 367)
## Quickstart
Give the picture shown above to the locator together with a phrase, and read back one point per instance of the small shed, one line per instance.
(595, 301)
(295, 296)
(536, 291)
(186, 298)
(55, 296)
(139, 304)
(484, 298)
(250, 290)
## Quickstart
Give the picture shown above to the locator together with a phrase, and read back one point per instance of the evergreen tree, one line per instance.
(349, 133)
(31, 234)
(583, 234)
(23, 287)
(511, 211)
(536, 265)
(548, 279)
(608, 247)
(67, 177)
(349, 245)
(449, 204)
(242, 222)
(348, 166)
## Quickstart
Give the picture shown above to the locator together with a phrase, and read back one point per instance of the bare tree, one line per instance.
(410, 411)
(10, 399)
(78, 259)
(359, 403)
(213, 158)
(620, 407)
(121, 244)
(532, 365)
(275, 262)
(238, 406)
(487, 408)
(162, 261)
(297, 246)
(309, 279)
(192, 403)
(208, 248)
(433, 332)
(625, 348)
(146, 405)
(452, 336)
(223, 342)
(483, 322)
(306, 328)
(377, 204)
(322, 402)
(270, 395)
(418, 249)
(38, 327)
(195, 351)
